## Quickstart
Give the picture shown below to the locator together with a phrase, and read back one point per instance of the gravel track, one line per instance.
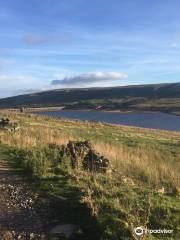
(24, 214)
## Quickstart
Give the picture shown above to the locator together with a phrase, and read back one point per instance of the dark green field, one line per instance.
(154, 97)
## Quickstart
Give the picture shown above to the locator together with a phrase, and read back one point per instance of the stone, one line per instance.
(63, 230)
(95, 162)
(32, 236)
(7, 236)
(84, 156)
(43, 236)
(8, 125)
(161, 190)
(4, 122)
(77, 150)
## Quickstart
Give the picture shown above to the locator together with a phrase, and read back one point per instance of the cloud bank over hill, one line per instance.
(90, 77)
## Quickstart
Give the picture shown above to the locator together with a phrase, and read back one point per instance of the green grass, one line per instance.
(144, 162)
(60, 189)
(112, 203)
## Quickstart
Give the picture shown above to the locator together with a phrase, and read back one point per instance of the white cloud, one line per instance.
(21, 84)
(11, 84)
(90, 77)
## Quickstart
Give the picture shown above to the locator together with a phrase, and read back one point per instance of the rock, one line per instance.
(43, 237)
(161, 190)
(84, 156)
(63, 231)
(7, 236)
(95, 162)
(32, 236)
(6, 124)
(77, 150)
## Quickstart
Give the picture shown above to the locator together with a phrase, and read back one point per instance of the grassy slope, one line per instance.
(154, 97)
(145, 161)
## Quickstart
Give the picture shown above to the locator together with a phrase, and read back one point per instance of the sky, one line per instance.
(47, 44)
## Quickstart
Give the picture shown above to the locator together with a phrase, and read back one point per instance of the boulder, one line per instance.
(4, 122)
(65, 231)
(7, 235)
(83, 156)
(95, 162)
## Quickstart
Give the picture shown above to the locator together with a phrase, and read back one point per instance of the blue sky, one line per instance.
(85, 43)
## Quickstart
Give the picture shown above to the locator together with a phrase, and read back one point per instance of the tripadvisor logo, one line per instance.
(139, 231)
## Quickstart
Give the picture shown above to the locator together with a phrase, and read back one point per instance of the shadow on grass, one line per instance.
(65, 201)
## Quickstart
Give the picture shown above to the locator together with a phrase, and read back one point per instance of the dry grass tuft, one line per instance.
(141, 163)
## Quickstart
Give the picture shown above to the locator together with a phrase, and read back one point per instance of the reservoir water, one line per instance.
(146, 120)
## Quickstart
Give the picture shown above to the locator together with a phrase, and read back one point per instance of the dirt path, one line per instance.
(24, 214)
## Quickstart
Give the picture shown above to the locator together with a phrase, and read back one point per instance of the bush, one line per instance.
(39, 161)
(34, 161)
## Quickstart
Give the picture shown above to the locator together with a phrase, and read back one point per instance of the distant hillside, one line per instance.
(152, 97)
